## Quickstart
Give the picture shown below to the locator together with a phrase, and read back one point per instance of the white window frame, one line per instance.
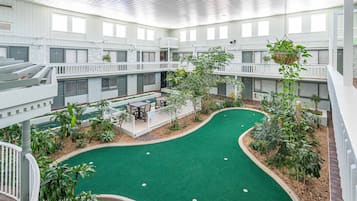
(120, 31)
(295, 25)
(183, 36)
(223, 32)
(247, 30)
(56, 26)
(318, 22)
(211, 33)
(108, 29)
(78, 25)
(264, 28)
(193, 35)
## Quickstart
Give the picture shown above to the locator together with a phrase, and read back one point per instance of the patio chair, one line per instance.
(146, 111)
(132, 111)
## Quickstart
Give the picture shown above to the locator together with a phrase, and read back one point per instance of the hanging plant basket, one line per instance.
(284, 58)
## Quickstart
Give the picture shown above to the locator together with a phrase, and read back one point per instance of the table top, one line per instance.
(138, 104)
(161, 98)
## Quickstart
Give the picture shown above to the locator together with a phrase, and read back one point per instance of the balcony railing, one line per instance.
(10, 172)
(344, 109)
(315, 72)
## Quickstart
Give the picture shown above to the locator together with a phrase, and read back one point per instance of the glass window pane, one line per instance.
(71, 56)
(108, 29)
(323, 91)
(113, 56)
(71, 88)
(59, 22)
(193, 35)
(78, 25)
(150, 34)
(308, 89)
(263, 28)
(210, 33)
(295, 25)
(247, 30)
(323, 57)
(223, 32)
(121, 56)
(120, 31)
(82, 56)
(3, 52)
(82, 87)
(318, 23)
(141, 34)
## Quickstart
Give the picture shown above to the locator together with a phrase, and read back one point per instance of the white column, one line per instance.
(333, 41)
(26, 148)
(348, 43)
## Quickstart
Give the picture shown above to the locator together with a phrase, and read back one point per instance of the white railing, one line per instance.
(254, 70)
(34, 180)
(10, 170)
(344, 109)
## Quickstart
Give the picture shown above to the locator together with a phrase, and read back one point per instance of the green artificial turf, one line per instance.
(191, 167)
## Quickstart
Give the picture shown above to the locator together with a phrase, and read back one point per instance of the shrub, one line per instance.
(43, 142)
(81, 143)
(107, 136)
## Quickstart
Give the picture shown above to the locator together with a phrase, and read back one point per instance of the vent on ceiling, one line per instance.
(5, 5)
(5, 26)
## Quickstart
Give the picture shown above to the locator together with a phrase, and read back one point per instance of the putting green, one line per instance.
(206, 165)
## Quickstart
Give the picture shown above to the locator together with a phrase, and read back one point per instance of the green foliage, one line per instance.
(58, 182)
(123, 117)
(81, 143)
(86, 196)
(176, 100)
(286, 139)
(107, 136)
(102, 106)
(315, 99)
(107, 58)
(98, 125)
(44, 142)
(11, 134)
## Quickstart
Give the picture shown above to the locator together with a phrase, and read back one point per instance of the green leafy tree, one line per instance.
(315, 99)
(176, 100)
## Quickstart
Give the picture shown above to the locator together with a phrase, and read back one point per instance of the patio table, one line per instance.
(138, 105)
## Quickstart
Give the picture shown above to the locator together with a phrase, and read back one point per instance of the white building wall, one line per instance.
(110, 94)
(76, 99)
(132, 84)
(94, 89)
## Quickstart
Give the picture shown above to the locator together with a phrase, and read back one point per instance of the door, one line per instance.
(58, 101)
(163, 56)
(163, 79)
(248, 87)
(140, 83)
(56, 55)
(221, 89)
(19, 53)
(122, 86)
(340, 61)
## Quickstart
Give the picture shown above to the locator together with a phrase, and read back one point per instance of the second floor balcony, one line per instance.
(313, 72)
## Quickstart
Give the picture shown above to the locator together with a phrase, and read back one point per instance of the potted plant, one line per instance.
(285, 52)
(266, 58)
(107, 58)
(315, 99)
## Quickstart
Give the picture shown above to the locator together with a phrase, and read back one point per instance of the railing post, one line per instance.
(348, 43)
(26, 148)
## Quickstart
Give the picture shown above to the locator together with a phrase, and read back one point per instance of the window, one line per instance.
(116, 56)
(210, 33)
(263, 28)
(183, 36)
(141, 34)
(120, 31)
(109, 83)
(78, 25)
(108, 29)
(150, 34)
(295, 25)
(223, 32)
(247, 30)
(193, 35)
(318, 23)
(76, 87)
(149, 79)
(148, 56)
(59, 22)
(61, 55)
(3, 52)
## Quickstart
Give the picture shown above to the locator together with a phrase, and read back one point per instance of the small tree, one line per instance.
(315, 99)
(176, 100)
(123, 117)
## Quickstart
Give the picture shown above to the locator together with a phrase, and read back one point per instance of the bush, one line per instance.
(81, 143)
(107, 136)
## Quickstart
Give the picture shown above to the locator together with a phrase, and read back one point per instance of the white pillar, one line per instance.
(26, 148)
(348, 43)
(333, 41)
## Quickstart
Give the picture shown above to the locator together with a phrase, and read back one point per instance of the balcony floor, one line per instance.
(5, 198)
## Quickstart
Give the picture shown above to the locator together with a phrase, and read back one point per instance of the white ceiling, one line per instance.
(185, 13)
